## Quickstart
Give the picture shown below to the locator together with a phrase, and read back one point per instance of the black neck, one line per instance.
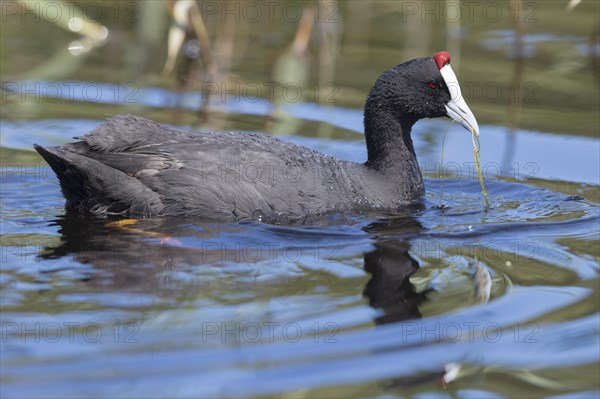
(389, 145)
(391, 152)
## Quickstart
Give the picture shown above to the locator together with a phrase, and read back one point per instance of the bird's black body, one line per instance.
(132, 166)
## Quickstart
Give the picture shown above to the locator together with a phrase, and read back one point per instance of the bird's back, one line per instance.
(133, 166)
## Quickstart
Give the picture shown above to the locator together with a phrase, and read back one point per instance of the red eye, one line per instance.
(431, 85)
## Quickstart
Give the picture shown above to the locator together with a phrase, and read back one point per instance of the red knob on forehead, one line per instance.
(441, 59)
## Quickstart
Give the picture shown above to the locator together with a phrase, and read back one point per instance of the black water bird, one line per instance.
(135, 167)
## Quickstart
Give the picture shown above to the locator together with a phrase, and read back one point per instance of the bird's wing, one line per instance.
(203, 174)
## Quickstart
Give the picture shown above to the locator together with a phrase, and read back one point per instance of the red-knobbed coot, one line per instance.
(135, 167)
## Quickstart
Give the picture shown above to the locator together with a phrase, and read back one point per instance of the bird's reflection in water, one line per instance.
(134, 256)
(389, 288)
(390, 265)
